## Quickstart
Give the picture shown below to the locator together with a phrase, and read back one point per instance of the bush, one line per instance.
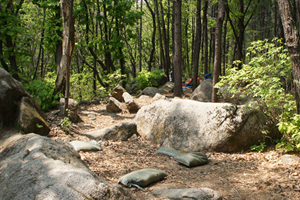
(263, 79)
(147, 79)
(42, 92)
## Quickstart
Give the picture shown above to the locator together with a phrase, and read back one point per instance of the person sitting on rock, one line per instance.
(190, 83)
(207, 76)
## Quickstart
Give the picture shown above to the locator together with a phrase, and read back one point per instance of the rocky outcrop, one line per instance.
(73, 109)
(121, 131)
(30, 120)
(189, 193)
(203, 92)
(114, 105)
(149, 91)
(36, 167)
(18, 109)
(117, 93)
(131, 104)
(196, 126)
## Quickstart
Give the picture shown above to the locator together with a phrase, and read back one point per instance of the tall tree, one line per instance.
(177, 57)
(9, 12)
(218, 49)
(68, 46)
(244, 9)
(152, 51)
(205, 37)
(196, 51)
(290, 16)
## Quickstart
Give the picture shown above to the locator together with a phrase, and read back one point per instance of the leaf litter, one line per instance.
(246, 175)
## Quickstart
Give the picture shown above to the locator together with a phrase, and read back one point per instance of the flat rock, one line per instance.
(36, 167)
(121, 131)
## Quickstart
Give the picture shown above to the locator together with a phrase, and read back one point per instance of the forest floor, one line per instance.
(245, 175)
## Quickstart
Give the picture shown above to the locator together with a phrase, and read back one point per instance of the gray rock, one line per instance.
(167, 88)
(17, 107)
(117, 93)
(72, 106)
(132, 106)
(228, 97)
(188, 125)
(289, 159)
(134, 88)
(30, 120)
(121, 131)
(113, 105)
(84, 102)
(158, 97)
(203, 92)
(36, 167)
(149, 91)
(188, 194)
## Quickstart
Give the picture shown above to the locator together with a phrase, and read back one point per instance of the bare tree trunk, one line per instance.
(290, 16)
(140, 42)
(166, 42)
(41, 48)
(196, 51)
(153, 36)
(68, 46)
(177, 58)
(205, 60)
(162, 54)
(218, 50)
(224, 47)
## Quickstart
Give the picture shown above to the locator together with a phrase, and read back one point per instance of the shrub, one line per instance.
(263, 79)
(147, 79)
(42, 92)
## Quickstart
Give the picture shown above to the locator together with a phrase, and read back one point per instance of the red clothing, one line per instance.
(191, 81)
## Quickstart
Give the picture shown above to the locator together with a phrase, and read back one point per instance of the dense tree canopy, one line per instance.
(118, 40)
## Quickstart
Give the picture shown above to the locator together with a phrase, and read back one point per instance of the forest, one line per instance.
(83, 49)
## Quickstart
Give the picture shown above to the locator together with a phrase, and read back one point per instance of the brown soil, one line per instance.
(246, 175)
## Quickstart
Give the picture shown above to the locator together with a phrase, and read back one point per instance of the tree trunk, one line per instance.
(151, 58)
(205, 60)
(196, 51)
(140, 43)
(290, 16)
(166, 42)
(68, 46)
(218, 49)
(177, 58)
(162, 55)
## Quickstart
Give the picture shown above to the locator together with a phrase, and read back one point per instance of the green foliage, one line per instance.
(259, 148)
(42, 92)
(263, 79)
(65, 123)
(291, 134)
(82, 85)
(146, 79)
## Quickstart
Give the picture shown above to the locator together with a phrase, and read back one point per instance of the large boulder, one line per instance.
(36, 167)
(189, 193)
(18, 109)
(167, 88)
(117, 93)
(133, 87)
(188, 125)
(131, 104)
(30, 120)
(149, 91)
(203, 92)
(114, 105)
(72, 106)
(121, 131)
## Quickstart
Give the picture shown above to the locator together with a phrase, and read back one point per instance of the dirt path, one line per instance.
(248, 175)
